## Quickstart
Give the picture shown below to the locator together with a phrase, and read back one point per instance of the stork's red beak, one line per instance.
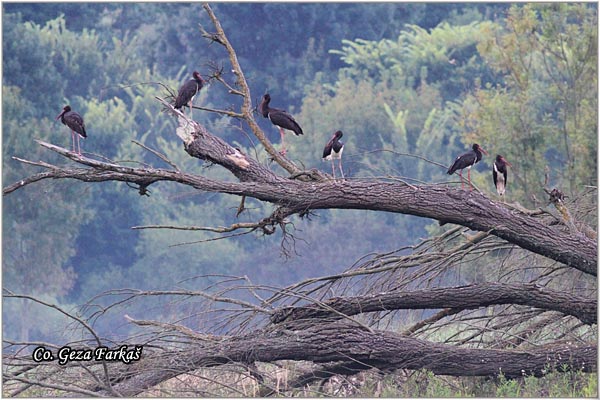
(484, 152)
(506, 162)
(59, 115)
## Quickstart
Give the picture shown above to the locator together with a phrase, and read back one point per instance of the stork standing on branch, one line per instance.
(500, 174)
(467, 160)
(188, 91)
(75, 122)
(333, 149)
(280, 118)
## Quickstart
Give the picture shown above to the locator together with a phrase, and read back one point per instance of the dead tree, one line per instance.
(354, 330)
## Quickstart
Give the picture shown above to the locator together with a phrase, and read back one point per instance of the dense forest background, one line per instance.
(398, 79)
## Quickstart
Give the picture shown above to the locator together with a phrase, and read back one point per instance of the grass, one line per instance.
(424, 384)
(235, 381)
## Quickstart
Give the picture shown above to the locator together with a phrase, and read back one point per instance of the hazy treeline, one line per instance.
(397, 79)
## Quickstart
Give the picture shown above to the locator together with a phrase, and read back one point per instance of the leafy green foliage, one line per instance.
(542, 115)
(445, 57)
(409, 79)
(409, 93)
(22, 51)
(57, 230)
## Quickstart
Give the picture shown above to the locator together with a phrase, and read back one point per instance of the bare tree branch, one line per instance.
(159, 155)
(221, 38)
(457, 298)
(339, 342)
(345, 322)
(449, 205)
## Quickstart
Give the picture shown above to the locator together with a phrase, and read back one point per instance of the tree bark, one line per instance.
(440, 202)
(324, 332)
(342, 342)
(457, 298)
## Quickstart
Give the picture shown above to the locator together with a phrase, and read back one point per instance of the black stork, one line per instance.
(500, 174)
(467, 160)
(75, 122)
(188, 91)
(279, 118)
(333, 149)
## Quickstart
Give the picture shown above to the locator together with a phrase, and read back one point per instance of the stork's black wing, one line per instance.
(463, 161)
(286, 121)
(328, 147)
(187, 92)
(75, 121)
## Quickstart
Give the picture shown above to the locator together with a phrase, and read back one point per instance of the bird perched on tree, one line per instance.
(467, 160)
(75, 122)
(500, 174)
(279, 118)
(188, 91)
(333, 149)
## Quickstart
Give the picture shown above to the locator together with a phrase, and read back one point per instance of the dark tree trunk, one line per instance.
(325, 332)
(343, 342)
(458, 298)
(448, 205)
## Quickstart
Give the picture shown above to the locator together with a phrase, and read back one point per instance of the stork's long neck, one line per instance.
(264, 109)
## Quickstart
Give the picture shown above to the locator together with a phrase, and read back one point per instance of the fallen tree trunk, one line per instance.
(467, 208)
(324, 342)
(324, 332)
(457, 298)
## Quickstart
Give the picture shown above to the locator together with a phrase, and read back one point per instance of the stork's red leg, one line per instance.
(72, 141)
(341, 170)
(462, 185)
(332, 168)
(470, 184)
(283, 149)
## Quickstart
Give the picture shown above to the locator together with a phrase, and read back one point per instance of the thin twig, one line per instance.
(158, 154)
